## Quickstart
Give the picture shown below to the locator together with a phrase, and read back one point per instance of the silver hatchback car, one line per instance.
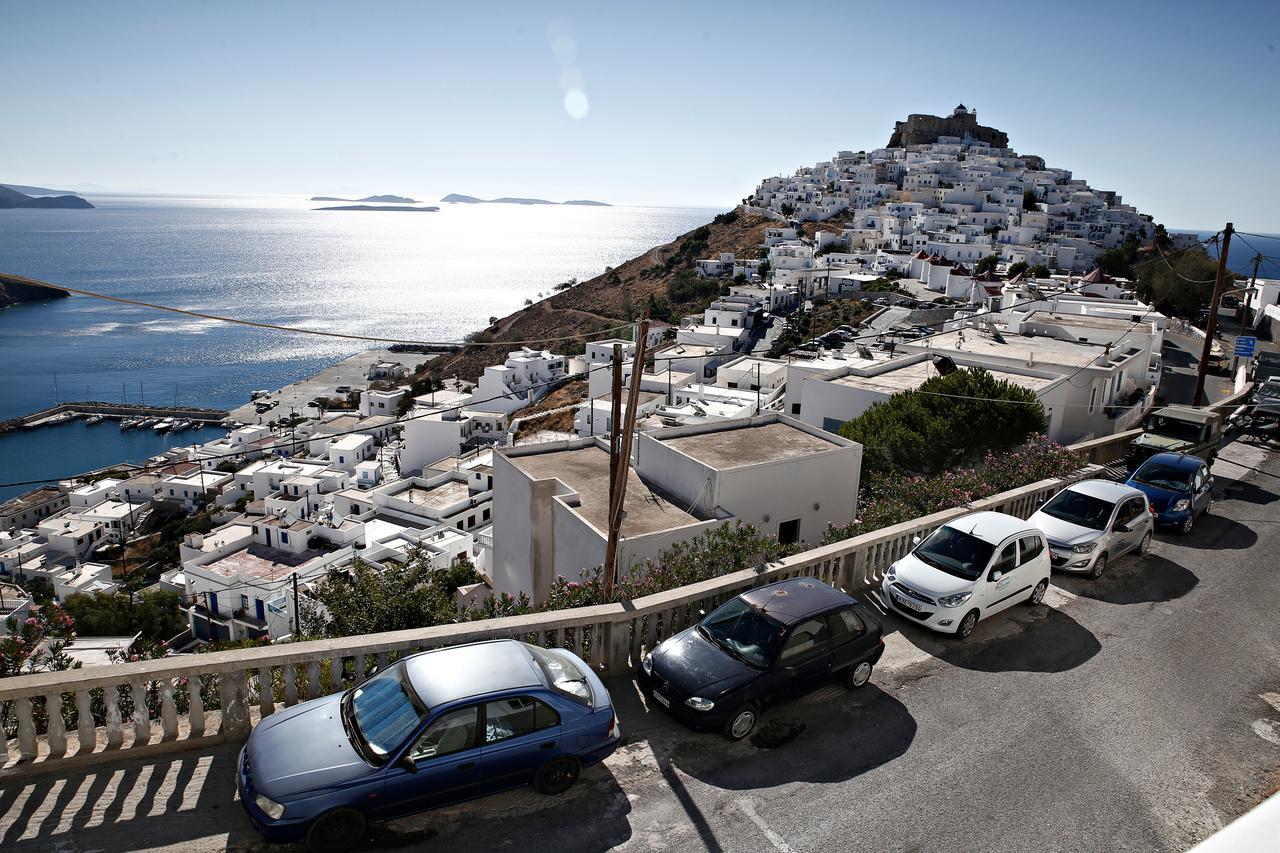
(1094, 521)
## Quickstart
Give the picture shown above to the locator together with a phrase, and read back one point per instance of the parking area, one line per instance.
(1140, 711)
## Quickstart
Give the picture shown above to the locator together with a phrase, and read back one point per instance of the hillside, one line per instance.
(10, 198)
(38, 190)
(382, 199)
(611, 298)
(13, 291)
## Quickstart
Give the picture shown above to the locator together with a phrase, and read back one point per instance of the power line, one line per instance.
(275, 327)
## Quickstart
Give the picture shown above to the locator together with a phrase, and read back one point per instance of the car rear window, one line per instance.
(563, 674)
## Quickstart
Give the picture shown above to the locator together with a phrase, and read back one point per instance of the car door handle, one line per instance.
(466, 765)
(548, 745)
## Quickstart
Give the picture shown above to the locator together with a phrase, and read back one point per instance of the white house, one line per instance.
(375, 402)
(525, 378)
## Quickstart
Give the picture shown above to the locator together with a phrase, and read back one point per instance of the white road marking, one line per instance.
(1266, 730)
(775, 839)
(1272, 699)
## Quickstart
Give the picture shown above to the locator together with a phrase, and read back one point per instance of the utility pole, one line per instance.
(1253, 282)
(1212, 326)
(297, 613)
(615, 408)
(620, 468)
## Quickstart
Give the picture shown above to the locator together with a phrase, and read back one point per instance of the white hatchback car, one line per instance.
(967, 570)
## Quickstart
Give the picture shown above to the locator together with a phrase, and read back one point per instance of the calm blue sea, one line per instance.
(432, 276)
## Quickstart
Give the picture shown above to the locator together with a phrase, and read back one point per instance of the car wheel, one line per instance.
(1188, 524)
(336, 831)
(859, 675)
(967, 624)
(1099, 566)
(557, 775)
(1037, 594)
(1145, 545)
(741, 722)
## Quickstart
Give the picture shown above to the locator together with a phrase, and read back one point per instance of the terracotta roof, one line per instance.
(921, 255)
(960, 269)
(1097, 276)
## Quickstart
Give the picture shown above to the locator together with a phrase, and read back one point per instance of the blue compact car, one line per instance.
(1178, 486)
(432, 729)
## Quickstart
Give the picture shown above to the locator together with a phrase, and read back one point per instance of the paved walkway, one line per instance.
(1137, 712)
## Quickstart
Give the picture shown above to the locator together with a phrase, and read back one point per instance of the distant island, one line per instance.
(385, 199)
(15, 289)
(11, 198)
(38, 190)
(458, 198)
(391, 207)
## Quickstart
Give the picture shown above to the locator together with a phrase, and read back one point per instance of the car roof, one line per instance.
(1104, 489)
(1186, 413)
(1181, 461)
(446, 675)
(993, 527)
(795, 599)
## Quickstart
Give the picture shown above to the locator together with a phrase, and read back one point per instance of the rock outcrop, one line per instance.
(920, 129)
(13, 291)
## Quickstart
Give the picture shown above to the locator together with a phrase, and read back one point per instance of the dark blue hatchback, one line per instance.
(433, 729)
(1178, 486)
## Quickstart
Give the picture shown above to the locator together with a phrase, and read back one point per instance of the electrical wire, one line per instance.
(275, 327)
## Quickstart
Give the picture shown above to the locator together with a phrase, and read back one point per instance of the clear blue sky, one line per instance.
(1172, 104)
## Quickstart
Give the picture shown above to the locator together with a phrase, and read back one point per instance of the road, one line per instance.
(1137, 712)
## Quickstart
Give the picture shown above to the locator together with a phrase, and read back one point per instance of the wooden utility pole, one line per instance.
(615, 422)
(620, 464)
(1253, 282)
(1212, 326)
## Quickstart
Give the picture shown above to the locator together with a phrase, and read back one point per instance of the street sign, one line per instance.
(1246, 345)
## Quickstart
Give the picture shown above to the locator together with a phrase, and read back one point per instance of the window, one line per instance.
(844, 626)
(485, 515)
(520, 715)
(453, 732)
(1030, 547)
(789, 531)
(805, 639)
(284, 537)
(563, 674)
(832, 425)
(1007, 560)
(795, 408)
(244, 602)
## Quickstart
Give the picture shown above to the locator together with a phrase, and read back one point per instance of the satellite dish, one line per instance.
(944, 365)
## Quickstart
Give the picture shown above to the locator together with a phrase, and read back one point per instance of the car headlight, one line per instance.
(954, 600)
(1084, 547)
(1182, 505)
(892, 572)
(697, 703)
(646, 663)
(273, 810)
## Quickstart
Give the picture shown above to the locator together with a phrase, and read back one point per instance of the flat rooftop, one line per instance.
(585, 470)
(1039, 348)
(436, 497)
(35, 497)
(723, 449)
(911, 376)
(258, 562)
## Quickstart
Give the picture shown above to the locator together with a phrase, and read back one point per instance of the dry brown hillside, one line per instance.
(610, 299)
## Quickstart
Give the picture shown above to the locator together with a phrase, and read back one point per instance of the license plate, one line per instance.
(661, 700)
(906, 602)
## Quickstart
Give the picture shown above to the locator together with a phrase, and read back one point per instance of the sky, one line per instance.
(1172, 104)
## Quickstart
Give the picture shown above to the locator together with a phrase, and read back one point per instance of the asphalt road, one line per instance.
(1138, 712)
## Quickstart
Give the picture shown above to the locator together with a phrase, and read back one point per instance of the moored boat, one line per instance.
(94, 419)
(180, 424)
(129, 423)
(164, 425)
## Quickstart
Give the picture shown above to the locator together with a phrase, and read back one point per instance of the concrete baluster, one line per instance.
(266, 692)
(26, 728)
(168, 710)
(141, 714)
(86, 729)
(195, 710)
(57, 733)
(115, 723)
(313, 679)
(290, 685)
(234, 691)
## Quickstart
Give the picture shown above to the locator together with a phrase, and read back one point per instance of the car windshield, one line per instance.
(562, 673)
(1081, 509)
(1163, 476)
(956, 553)
(1269, 389)
(744, 632)
(383, 712)
(1171, 428)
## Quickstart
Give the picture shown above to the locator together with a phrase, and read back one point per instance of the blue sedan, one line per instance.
(432, 729)
(1178, 486)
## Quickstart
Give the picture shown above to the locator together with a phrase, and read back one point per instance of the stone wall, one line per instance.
(921, 129)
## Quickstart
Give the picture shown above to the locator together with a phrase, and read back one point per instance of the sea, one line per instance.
(406, 275)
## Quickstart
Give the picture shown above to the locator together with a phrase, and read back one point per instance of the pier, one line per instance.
(118, 411)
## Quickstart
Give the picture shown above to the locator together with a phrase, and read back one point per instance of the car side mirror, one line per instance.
(406, 762)
(916, 540)
(702, 613)
(996, 575)
(1121, 527)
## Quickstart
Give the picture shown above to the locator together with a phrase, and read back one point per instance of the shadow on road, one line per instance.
(794, 743)
(1020, 639)
(1244, 490)
(1214, 532)
(1140, 580)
